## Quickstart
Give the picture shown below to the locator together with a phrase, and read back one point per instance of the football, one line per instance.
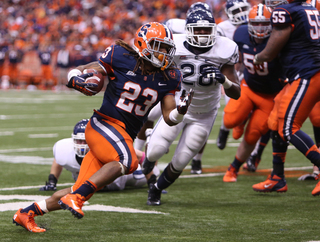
(97, 78)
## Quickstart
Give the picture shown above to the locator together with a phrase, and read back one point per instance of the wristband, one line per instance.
(73, 72)
(227, 84)
(175, 116)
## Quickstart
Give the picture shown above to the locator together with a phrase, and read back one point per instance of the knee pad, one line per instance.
(252, 137)
(197, 140)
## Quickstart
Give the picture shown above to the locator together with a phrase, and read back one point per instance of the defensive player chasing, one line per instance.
(139, 78)
(207, 62)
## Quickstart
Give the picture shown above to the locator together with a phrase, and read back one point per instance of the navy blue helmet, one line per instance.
(199, 5)
(201, 28)
(237, 11)
(79, 141)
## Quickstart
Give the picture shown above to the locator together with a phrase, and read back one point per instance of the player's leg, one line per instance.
(103, 167)
(160, 140)
(224, 131)
(192, 139)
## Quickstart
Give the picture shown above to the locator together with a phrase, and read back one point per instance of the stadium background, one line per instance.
(32, 28)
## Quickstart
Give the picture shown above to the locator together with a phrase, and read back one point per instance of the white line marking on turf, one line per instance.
(35, 136)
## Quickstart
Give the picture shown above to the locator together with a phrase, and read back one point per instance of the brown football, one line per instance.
(97, 78)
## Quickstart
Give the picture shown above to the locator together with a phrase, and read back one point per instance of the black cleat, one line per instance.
(196, 167)
(252, 163)
(154, 196)
(222, 138)
(49, 187)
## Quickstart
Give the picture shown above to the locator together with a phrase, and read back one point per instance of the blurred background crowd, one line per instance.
(41, 40)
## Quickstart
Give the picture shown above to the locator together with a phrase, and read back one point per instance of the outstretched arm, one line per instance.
(278, 39)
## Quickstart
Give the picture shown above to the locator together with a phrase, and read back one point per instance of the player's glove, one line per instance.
(78, 83)
(184, 101)
(214, 72)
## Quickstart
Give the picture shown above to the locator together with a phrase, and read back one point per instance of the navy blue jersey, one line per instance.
(300, 56)
(45, 57)
(130, 96)
(262, 81)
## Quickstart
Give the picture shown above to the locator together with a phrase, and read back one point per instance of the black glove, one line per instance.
(79, 83)
(214, 72)
(185, 101)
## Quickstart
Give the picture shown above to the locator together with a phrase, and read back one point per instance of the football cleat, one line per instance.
(252, 163)
(316, 190)
(231, 174)
(49, 187)
(154, 195)
(308, 177)
(196, 167)
(273, 183)
(222, 138)
(26, 220)
(73, 203)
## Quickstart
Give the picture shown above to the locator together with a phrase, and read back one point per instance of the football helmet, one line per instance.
(237, 11)
(199, 5)
(203, 21)
(259, 25)
(79, 141)
(148, 41)
(274, 3)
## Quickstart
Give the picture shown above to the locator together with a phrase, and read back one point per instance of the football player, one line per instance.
(177, 26)
(237, 12)
(295, 36)
(258, 88)
(207, 62)
(68, 153)
(139, 76)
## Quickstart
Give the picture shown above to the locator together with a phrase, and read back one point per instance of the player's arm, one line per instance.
(92, 65)
(231, 89)
(77, 80)
(279, 37)
(168, 104)
(173, 113)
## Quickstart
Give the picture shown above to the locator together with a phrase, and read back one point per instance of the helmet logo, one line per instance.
(143, 30)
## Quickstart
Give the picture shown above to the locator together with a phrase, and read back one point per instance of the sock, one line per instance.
(139, 144)
(52, 179)
(279, 151)
(168, 176)
(43, 206)
(87, 189)
(263, 143)
(237, 163)
(306, 146)
(198, 156)
(316, 133)
(33, 207)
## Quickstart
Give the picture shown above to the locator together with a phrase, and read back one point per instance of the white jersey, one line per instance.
(65, 156)
(226, 29)
(176, 25)
(207, 92)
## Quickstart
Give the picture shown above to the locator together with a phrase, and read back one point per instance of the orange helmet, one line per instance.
(259, 25)
(148, 40)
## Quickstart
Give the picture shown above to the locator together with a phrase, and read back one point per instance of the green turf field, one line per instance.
(196, 208)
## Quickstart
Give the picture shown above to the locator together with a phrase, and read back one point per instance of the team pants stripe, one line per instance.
(115, 138)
